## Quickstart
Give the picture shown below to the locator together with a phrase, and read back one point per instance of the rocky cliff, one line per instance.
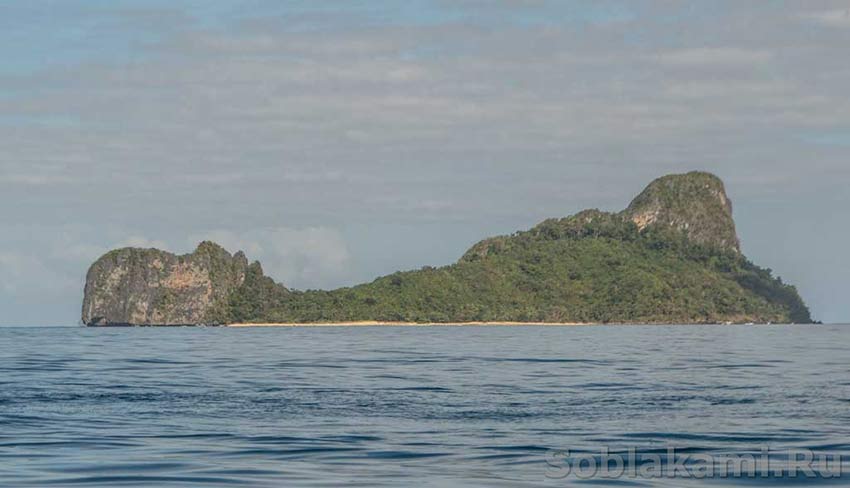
(132, 286)
(694, 203)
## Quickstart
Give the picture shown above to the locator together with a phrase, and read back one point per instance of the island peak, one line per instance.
(695, 203)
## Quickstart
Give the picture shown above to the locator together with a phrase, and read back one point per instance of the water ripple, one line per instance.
(437, 407)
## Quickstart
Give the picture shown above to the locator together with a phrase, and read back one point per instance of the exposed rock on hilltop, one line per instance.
(695, 203)
(148, 286)
(671, 257)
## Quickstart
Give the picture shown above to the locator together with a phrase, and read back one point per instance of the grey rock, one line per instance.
(695, 203)
(133, 286)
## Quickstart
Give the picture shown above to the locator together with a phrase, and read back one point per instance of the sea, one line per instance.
(443, 406)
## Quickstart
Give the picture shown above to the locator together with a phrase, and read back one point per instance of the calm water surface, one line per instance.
(431, 406)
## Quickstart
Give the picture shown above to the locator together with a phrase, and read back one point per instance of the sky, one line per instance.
(337, 141)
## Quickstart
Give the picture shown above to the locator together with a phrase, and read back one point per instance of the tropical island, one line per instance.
(672, 257)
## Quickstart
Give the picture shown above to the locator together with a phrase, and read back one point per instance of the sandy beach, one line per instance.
(371, 323)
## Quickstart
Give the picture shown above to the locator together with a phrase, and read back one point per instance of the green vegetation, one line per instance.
(257, 300)
(672, 256)
(592, 267)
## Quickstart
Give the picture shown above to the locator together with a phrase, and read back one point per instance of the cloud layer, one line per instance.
(319, 138)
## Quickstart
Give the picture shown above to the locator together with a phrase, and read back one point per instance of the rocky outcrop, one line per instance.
(133, 286)
(695, 203)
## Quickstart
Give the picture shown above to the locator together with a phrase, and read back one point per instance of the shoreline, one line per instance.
(377, 323)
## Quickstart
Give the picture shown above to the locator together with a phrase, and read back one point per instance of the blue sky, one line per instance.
(339, 140)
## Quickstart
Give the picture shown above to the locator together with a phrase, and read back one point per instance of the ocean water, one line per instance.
(422, 406)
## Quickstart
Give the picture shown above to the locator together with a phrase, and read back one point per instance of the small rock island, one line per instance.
(672, 257)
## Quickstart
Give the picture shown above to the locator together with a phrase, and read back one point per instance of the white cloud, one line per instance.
(830, 18)
(24, 274)
(715, 56)
(310, 257)
(752, 89)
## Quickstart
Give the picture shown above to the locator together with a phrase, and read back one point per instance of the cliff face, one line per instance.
(152, 287)
(695, 203)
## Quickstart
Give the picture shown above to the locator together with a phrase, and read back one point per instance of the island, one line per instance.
(672, 257)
